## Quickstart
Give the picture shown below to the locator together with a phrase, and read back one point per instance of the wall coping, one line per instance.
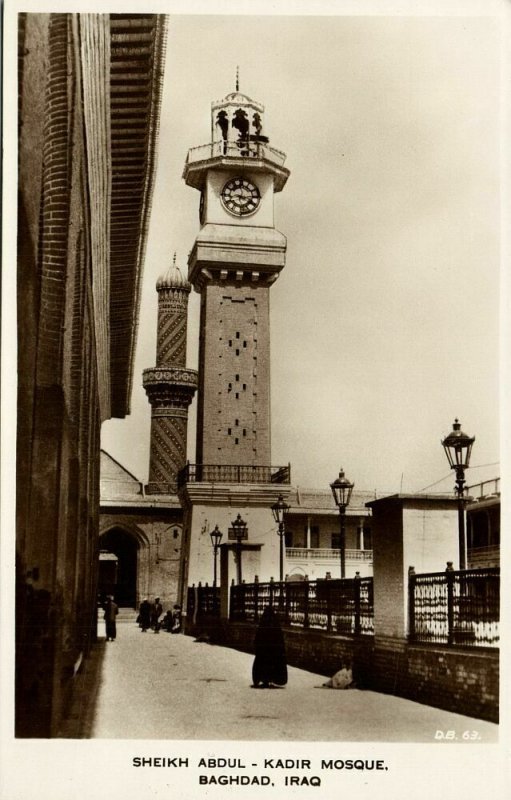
(414, 500)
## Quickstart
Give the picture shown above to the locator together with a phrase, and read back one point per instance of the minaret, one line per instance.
(237, 255)
(169, 385)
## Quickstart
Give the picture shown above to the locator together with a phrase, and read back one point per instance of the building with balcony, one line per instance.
(483, 524)
(141, 532)
(313, 535)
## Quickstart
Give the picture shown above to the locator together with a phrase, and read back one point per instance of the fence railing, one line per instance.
(483, 489)
(233, 473)
(455, 608)
(203, 602)
(460, 608)
(335, 606)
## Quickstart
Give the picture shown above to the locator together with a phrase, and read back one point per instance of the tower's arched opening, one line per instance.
(118, 566)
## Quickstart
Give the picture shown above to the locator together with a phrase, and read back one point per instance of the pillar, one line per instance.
(408, 530)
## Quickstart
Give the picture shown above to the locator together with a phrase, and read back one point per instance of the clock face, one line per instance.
(240, 197)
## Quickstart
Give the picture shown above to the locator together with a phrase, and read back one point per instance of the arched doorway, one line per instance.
(118, 566)
(296, 575)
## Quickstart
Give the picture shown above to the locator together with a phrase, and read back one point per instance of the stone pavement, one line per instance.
(164, 686)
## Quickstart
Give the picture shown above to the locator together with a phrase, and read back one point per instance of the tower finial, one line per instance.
(237, 79)
(174, 259)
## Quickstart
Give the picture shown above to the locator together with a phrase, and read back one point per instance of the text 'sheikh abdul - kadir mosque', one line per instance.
(155, 540)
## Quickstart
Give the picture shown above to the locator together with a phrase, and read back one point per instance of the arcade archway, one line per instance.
(118, 566)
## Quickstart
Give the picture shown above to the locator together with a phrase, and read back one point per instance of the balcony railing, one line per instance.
(232, 473)
(240, 149)
(484, 489)
(326, 553)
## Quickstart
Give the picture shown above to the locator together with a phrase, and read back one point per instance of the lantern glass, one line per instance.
(341, 490)
(458, 447)
(279, 510)
(216, 536)
(239, 526)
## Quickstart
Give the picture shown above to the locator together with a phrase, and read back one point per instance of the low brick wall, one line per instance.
(465, 681)
(460, 680)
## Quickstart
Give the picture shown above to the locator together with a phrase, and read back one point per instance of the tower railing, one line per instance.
(239, 149)
(233, 473)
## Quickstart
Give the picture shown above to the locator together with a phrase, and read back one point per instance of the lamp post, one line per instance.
(279, 510)
(216, 538)
(239, 527)
(458, 447)
(341, 490)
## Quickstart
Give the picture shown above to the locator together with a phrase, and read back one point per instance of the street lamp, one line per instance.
(216, 538)
(239, 527)
(458, 447)
(279, 510)
(341, 490)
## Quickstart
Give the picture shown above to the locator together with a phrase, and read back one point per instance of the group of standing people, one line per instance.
(150, 617)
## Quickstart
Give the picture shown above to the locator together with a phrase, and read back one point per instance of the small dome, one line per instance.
(173, 278)
(237, 97)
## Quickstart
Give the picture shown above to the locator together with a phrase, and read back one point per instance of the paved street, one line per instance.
(147, 686)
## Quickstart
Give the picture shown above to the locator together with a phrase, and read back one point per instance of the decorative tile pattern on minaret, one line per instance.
(169, 385)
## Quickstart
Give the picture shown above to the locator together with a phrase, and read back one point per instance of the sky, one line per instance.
(385, 320)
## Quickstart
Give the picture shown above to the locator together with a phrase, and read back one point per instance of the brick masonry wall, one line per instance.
(55, 209)
(462, 681)
(57, 476)
(234, 379)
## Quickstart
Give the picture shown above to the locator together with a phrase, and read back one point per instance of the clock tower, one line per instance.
(237, 255)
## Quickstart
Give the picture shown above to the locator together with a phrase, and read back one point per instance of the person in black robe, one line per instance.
(269, 667)
(111, 611)
(144, 615)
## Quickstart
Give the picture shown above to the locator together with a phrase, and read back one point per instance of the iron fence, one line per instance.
(203, 602)
(455, 608)
(445, 608)
(336, 606)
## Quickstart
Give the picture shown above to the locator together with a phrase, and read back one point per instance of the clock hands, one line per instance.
(240, 197)
(242, 192)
